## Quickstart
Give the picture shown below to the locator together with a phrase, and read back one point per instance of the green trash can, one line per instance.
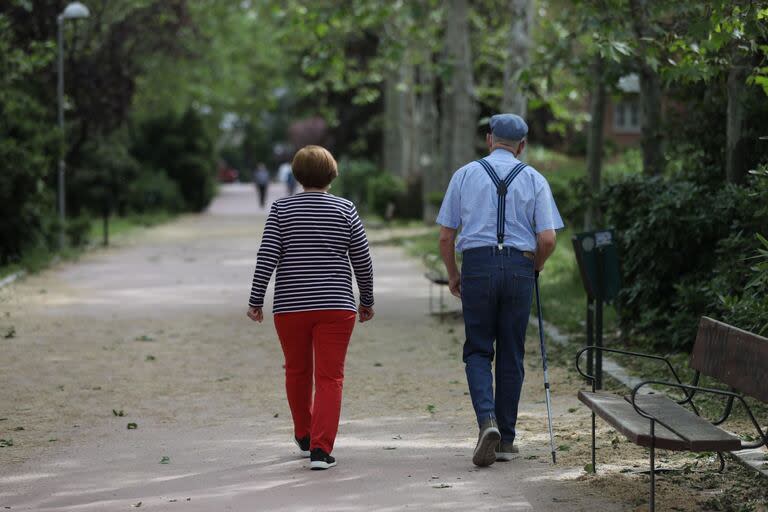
(598, 261)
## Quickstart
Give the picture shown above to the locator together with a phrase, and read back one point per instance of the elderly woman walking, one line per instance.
(311, 238)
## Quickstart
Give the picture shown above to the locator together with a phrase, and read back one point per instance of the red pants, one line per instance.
(319, 339)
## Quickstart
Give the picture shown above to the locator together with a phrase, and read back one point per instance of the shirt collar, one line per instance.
(503, 154)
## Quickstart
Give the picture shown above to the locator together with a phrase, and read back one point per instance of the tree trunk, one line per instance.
(399, 124)
(593, 215)
(650, 95)
(426, 154)
(736, 163)
(650, 122)
(393, 113)
(459, 110)
(518, 57)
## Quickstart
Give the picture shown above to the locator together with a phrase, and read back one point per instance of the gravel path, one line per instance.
(153, 332)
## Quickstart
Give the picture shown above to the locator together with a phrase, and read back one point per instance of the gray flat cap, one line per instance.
(509, 126)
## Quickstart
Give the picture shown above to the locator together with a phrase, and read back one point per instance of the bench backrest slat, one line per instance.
(733, 356)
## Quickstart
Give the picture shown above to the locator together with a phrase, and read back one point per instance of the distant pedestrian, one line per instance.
(508, 220)
(285, 174)
(311, 239)
(261, 180)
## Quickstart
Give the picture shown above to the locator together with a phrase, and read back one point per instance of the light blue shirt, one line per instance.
(471, 203)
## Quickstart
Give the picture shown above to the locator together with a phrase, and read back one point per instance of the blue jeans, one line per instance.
(496, 293)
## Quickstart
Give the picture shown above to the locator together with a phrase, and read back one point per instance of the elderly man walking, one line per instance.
(508, 219)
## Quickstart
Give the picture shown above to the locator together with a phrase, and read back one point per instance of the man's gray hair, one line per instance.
(507, 142)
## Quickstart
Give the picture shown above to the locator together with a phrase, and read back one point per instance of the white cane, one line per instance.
(546, 373)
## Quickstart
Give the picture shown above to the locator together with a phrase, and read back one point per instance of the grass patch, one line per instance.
(424, 245)
(563, 299)
(373, 222)
(122, 225)
(562, 169)
(557, 167)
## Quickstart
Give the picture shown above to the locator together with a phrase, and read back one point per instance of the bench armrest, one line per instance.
(690, 388)
(591, 378)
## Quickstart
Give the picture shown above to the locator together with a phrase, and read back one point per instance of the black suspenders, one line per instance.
(501, 189)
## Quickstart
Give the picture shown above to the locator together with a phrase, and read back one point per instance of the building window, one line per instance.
(626, 116)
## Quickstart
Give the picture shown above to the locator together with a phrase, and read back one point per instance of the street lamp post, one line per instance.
(73, 11)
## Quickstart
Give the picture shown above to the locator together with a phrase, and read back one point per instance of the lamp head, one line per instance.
(74, 11)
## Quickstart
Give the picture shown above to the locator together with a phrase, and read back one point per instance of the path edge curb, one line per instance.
(9, 279)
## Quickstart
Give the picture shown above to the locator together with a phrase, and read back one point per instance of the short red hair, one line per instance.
(314, 167)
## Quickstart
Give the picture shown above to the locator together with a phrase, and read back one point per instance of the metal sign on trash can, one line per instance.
(598, 262)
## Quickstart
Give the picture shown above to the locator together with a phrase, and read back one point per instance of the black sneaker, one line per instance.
(303, 445)
(487, 441)
(506, 452)
(321, 460)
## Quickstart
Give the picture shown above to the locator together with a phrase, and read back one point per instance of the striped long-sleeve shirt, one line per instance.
(311, 238)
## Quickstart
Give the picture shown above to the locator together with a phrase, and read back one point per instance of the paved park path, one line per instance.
(153, 332)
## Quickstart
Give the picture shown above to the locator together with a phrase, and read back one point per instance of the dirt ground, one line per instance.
(152, 334)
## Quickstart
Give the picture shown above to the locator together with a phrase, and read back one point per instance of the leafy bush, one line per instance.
(103, 177)
(572, 198)
(436, 198)
(78, 231)
(28, 148)
(153, 191)
(370, 188)
(352, 182)
(683, 247)
(384, 189)
(750, 310)
(577, 144)
(182, 147)
(629, 162)
(193, 175)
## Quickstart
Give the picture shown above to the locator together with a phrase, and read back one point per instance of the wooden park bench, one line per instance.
(734, 357)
